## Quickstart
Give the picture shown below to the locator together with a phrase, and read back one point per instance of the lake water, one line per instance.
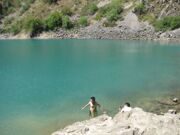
(44, 83)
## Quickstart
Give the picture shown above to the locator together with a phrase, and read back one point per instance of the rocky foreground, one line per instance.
(136, 122)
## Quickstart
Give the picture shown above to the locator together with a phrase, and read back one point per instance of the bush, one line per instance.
(24, 8)
(112, 15)
(89, 9)
(66, 11)
(139, 9)
(8, 20)
(49, 1)
(111, 11)
(101, 12)
(168, 23)
(10, 6)
(53, 21)
(34, 26)
(149, 17)
(16, 27)
(83, 21)
(66, 23)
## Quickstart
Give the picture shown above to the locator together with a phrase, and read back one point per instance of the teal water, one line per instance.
(44, 83)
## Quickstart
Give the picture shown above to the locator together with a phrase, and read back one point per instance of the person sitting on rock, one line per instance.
(126, 108)
(92, 107)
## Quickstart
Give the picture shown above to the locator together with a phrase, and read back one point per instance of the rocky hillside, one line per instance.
(136, 122)
(73, 18)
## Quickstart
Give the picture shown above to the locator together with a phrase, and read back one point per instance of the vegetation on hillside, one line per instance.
(112, 12)
(83, 21)
(167, 23)
(10, 6)
(35, 16)
(89, 9)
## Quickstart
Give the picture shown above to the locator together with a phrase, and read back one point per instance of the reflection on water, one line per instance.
(44, 83)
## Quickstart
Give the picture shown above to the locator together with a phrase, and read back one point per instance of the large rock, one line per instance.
(136, 122)
(171, 34)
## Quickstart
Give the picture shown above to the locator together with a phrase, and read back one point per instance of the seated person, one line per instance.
(126, 108)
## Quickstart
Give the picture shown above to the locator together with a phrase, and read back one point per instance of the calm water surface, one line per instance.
(44, 83)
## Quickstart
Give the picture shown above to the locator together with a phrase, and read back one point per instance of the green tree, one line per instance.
(34, 26)
(53, 21)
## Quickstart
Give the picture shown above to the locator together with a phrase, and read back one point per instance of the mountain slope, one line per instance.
(36, 16)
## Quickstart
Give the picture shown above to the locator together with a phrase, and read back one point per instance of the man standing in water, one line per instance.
(92, 107)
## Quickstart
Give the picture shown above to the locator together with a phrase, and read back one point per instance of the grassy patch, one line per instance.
(140, 9)
(66, 11)
(89, 9)
(149, 17)
(167, 23)
(111, 11)
(83, 21)
(10, 6)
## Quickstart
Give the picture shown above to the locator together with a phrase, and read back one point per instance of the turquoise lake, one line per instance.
(44, 83)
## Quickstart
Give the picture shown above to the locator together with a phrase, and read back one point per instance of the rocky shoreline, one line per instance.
(162, 119)
(135, 122)
(128, 29)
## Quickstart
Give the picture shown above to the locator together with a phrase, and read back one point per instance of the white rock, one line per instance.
(136, 122)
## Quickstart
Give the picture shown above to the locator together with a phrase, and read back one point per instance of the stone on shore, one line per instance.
(136, 122)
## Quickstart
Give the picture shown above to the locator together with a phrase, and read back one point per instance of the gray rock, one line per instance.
(136, 122)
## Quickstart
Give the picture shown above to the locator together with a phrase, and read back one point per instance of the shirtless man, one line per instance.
(92, 107)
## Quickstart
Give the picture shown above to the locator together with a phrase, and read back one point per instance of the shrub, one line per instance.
(8, 20)
(168, 23)
(149, 17)
(53, 21)
(112, 15)
(101, 12)
(66, 11)
(98, 17)
(83, 21)
(66, 23)
(24, 8)
(49, 1)
(139, 9)
(34, 26)
(111, 11)
(16, 28)
(89, 9)
(9, 6)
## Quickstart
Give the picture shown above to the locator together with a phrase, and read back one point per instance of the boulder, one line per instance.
(135, 122)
